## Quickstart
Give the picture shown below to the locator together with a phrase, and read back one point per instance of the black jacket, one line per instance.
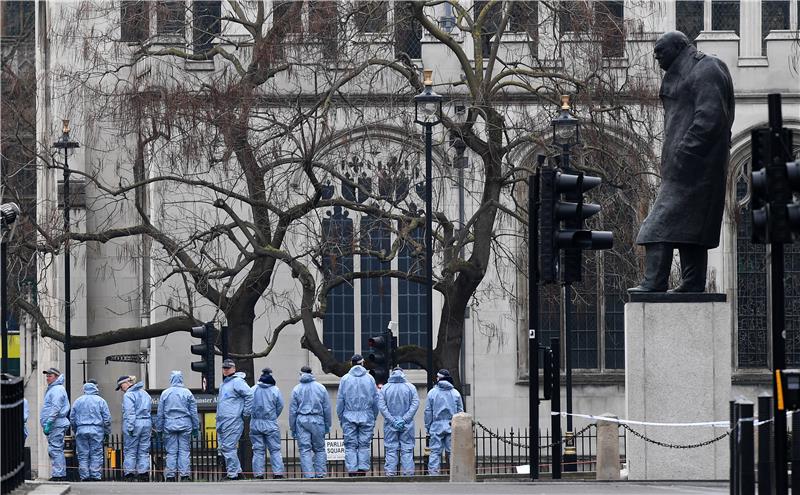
(697, 94)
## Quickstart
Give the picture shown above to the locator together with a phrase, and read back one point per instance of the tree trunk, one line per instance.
(451, 337)
(240, 338)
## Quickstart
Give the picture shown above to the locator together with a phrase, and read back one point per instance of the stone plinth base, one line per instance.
(462, 460)
(677, 370)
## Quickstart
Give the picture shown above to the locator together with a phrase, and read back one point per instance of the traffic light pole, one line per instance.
(533, 324)
(569, 452)
(778, 363)
(555, 410)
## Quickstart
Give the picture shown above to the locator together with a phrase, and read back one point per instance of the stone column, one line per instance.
(607, 449)
(462, 461)
(677, 370)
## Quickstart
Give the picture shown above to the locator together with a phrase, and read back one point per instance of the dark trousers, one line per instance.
(658, 261)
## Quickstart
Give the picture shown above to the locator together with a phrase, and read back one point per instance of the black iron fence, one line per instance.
(498, 451)
(503, 451)
(12, 456)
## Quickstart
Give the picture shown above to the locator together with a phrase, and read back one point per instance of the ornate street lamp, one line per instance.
(566, 134)
(428, 112)
(66, 144)
(566, 131)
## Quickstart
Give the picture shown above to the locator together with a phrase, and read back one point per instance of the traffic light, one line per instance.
(773, 180)
(380, 354)
(205, 349)
(572, 211)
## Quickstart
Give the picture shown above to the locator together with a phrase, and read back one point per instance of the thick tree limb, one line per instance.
(166, 327)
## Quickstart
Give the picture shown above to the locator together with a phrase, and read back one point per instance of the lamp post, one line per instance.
(64, 143)
(566, 135)
(427, 112)
(8, 216)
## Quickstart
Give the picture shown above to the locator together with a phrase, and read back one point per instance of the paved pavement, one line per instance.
(400, 488)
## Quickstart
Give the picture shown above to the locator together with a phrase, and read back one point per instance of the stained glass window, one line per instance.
(725, 15)
(774, 15)
(339, 320)
(689, 18)
(411, 295)
(376, 292)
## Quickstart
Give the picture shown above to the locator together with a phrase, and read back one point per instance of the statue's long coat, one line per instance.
(697, 94)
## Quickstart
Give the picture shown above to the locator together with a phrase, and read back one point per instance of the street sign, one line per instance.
(335, 449)
(141, 358)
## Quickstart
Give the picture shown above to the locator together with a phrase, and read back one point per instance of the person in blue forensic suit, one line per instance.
(54, 418)
(357, 408)
(91, 422)
(137, 425)
(177, 421)
(264, 431)
(398, 401)
(26, 411)
(309, 422)
(443, 403)
(233, 405)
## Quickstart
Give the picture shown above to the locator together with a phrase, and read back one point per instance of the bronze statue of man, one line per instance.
(697, 94)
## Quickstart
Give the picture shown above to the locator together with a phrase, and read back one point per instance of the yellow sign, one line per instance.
(13, 346)
(210, 428)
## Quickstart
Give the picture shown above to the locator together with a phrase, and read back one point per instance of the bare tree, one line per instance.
(224, 176)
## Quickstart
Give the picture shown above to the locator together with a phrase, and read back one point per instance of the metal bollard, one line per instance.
(732, 442)
(764, 448)
(746, 471)
(795, 450)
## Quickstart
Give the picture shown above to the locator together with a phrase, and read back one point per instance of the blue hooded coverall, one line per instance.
(357, 408)
(136, 429)
(177, 420)
(233, 404)
(310, 421)
(91, 421)
(264, 431)
(55, 412)
(398, 401)
(26, 411)
(443, 402)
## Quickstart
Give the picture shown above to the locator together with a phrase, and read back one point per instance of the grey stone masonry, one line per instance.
(678, 370)
(607, 449)
(462, 461)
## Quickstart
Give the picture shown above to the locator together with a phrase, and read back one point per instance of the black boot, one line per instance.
(185, 479)
(694, 262)
(657, 264)
(143, 478)
(130, 477)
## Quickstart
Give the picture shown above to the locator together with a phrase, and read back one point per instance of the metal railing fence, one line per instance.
(498, 451)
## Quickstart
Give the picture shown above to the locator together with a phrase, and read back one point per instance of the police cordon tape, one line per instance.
(713, 424)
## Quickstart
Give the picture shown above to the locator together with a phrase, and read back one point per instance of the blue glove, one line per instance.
(195, 433)
(48, 427)
(399, 425)
(327, 429)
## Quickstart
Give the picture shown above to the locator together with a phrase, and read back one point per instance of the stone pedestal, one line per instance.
(607, 449)
(462, 460)
(677, 370)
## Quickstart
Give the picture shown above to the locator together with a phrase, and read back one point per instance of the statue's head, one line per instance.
(668, 47)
